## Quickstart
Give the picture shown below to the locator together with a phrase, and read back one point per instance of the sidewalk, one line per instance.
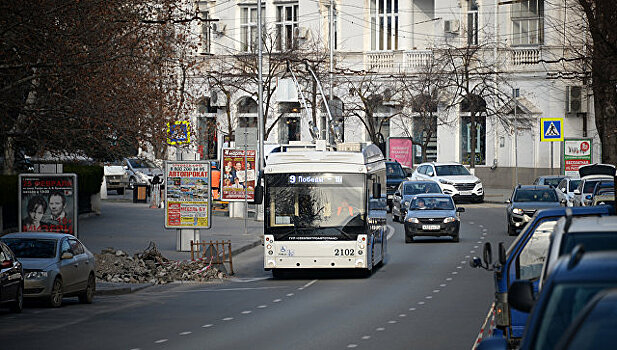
(131, 226)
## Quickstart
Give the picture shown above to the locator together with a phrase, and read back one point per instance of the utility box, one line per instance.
(140, 193)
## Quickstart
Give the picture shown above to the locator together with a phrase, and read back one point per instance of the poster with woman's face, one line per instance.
(238, 175)
(48, 203)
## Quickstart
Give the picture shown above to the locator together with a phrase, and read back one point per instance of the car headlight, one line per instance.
(449, 219)
(478, 182)
(443, 181)
(517, 211)
(36, 275)
(413, 220)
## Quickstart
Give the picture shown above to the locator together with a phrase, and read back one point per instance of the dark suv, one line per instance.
(394, 176)
(525, 201)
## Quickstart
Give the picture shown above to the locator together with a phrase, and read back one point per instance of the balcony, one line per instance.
(407, 61)
(529, 56)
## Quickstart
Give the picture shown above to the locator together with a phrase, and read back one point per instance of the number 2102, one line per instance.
(343, 252)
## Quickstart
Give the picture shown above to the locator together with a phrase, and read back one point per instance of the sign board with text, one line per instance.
(48, 203)
(401, 150)
(187, 194)
(576, 153)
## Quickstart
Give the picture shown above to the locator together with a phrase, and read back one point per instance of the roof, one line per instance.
(594, 266)
(534, 187)
(594, 223)
(432, 195)
(552, 176)
(561, 211)
(42, 235)
(419, 182)
(440, 163)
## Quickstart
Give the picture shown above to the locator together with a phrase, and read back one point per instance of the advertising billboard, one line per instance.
(576, 153)
(187, 194)
(238, 175)
(401, 150)
(48, 203)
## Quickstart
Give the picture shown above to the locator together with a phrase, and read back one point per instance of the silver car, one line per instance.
(56, 265)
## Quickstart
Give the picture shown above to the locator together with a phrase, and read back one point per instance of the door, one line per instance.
(69, 268)
(81, 259)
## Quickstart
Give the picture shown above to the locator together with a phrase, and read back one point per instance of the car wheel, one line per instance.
(456, 238)
(408, 239)
(55, 298)
(278, 274)
(18, 305)
(88, 294)
(120, 191)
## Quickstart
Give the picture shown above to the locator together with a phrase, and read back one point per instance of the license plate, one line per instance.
(465, 193)
(431, 227)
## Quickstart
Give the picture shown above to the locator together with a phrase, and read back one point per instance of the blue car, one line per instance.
(524, 260)
(577, 278)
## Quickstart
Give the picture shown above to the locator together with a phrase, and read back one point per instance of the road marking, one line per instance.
(454, 272)
(482, 237)
(380, 329)
(366, 337)
(307, 285)
(392, 322)
(207, 325)
(472, 251)
(390, 231)
(449, 279)
(402, 315)
(463, 262)
(421, 303)
(476, 246)
(471, 223)
(436, 291)
(225, 289)
(428, 297)
(467, 256)
(228, 318)
(186, 333)
(443, 285)
(262, 306)
(480, 226)
(479, 242)
(246, 312)
(412, 309)
(160, 341)
(276, 300)
(249, 279)
(352, 345)
(459, 267)
(290, 294)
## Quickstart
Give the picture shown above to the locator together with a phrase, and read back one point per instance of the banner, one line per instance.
(238, 176)
(48, 203)
(401, 150)
(187, 194)
(576, 153)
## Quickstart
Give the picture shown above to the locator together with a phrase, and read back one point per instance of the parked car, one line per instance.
(604, 193)
(594, 327)
(432, 215)
(11, 280)
(116, 178)
(141, 170)
(56, 265)
(549, 180)
(576, 279)
(525, 201)
(590, 176)
(567, 187)
(394, 176)
(595, 233)
(453, 178)
(524, 260)
(404, 193)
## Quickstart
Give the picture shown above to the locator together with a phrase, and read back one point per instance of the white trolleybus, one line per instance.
(324, 209)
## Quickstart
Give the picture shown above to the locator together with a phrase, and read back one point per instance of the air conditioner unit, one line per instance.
(451, 26)
(575, 100)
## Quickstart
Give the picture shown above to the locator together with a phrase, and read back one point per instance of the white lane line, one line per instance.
(225, 289)
(160, 341)
(228, 318)
(421, 303)
(207, 325)
(454, 272)
(471, 223)
(262, 306)
(380, 329)
(412, 309)
(307, 285)
(276, 300)
(436, 291)
(443, 285)
(135, 349)
(472, 251)
(459, 267)
(390, 231)
(479, 242)
(352, 346)
(482, 237)
(429, 297)
(392, 322)
(290, 294)
(449, 279)
(467, 256)
(476, 246)
(402, 315)
(185, 333)
(366, 337)
(463, 262)
(246, 312)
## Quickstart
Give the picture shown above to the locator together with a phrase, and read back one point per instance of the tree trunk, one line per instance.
(605, 107)
(427, 138)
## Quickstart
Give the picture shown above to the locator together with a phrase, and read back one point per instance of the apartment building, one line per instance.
(522, 57)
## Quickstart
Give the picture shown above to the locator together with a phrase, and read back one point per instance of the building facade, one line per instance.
(520, 59)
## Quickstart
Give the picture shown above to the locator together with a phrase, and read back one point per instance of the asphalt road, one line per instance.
(425, 297)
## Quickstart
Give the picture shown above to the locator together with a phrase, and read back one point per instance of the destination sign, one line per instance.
(325, 179)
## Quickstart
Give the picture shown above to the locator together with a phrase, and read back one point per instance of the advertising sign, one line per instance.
(238, 176)
(551, 129)
(178, 133)
(576, 153)
(187, 194)
(401, 150)
(48, 203)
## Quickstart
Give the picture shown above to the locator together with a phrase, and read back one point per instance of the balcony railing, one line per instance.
(526, 56)
(397, 61)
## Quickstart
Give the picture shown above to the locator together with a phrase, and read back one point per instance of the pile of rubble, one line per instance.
(150, 266)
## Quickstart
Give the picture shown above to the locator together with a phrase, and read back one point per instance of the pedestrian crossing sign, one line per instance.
(551, 129)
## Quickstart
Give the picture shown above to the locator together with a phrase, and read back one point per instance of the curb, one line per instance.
(246, 247)
(127, 289)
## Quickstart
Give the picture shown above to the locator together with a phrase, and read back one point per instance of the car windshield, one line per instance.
(448, 170)
(141, 163)
(32, 248)
(590, 185)
(605, 187)
(553, 181)
(596, 331)
(431, 203)
(421, 187)
(574, 184)
(565, 302)
(543, 195)
(592, 241)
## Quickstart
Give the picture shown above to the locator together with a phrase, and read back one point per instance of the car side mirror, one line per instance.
(487, 254)
(6, 264)
(460, 210)
(66, 255)
(502, 254)
(520, 295)
(577, 192)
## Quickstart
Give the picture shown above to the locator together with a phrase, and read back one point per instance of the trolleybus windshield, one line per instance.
(312, 204)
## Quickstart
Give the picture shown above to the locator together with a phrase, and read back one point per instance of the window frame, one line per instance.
(526, 18)
(384, 24)
(286, 40)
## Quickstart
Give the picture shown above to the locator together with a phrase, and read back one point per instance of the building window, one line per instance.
(480, 146)
(205, 32)
(286, 26)
(472, 22)
(528, 22)
(384, 24)
(248, 28)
